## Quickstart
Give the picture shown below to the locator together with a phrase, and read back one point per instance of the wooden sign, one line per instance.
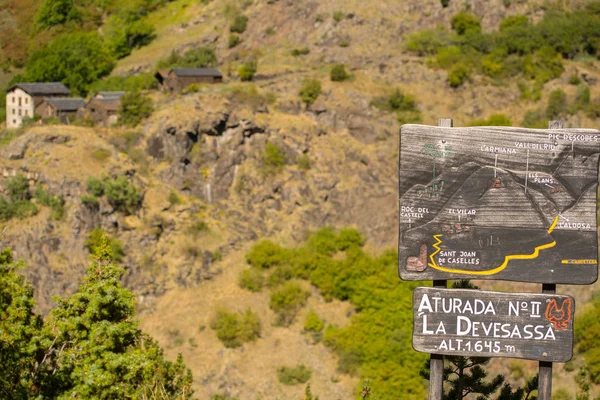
(480, 323)
(498, 203)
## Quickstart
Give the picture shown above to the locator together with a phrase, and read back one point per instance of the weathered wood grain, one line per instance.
(493, 324)
(498, 203)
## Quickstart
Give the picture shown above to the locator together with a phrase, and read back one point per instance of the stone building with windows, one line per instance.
(63, 108)
(23, 98)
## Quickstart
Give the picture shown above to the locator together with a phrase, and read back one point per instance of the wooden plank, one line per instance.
(498, 203)
(477, 323)
(436, 361)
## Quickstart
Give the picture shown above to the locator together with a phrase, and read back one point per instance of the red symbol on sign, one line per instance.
(559, 316)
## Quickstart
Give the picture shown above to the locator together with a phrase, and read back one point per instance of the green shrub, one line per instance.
(247, 70)
(574, 79)
(270, 31)
(313, 323)
(56, 203)
(493, 120)
(445, 3)
(338, 73)
(344, 43)
(266, 254)
(55, 12)
(557, 104)
(465, 21)
(409, 117)
(593, 109)
(174, 198)
(134, 108)
(94, 242)
(513, 21)
(251, 279)
(300, 52)
(90, 201)
(303, 162)
(294, 376)
(582, 96)
(192, 88)
(95, 187)
(236, 329)
(280, 275)
(535, 119)
(101, 154)
(458, 75)
(286, 301)
(17, 188)
(428, 42)
(16, 209)
(233, 41)
(239, 24)
(448, 57)
(122, 195)
(272, 159)
(338, 15)
(197, 227)
(310, 90)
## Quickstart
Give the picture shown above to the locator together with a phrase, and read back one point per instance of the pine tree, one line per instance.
(95, 348)
(19, 332)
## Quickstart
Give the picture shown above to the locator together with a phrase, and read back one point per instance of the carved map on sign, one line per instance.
(493, 324)
(498, 203)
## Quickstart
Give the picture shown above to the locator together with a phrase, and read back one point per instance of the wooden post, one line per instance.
(545, 367)
(436, 363)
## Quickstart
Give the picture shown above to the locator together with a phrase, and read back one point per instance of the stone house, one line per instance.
(177, 79)
(103, 108)
(63, 108)
(23, 98)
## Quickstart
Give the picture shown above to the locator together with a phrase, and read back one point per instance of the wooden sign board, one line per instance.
(478, 323)
(498, 203)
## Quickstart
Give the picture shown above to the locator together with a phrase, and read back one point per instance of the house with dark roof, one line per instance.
(23, 98)
(103, 108)
(63, 108)
(177, 79)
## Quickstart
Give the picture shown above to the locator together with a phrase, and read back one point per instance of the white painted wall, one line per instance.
(18, 105)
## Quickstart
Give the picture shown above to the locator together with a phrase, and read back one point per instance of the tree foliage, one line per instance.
(20, 330)
(236, 329)
(55, 12)
(96, 349)
(310, 90)
(134, 107)
(76, 59)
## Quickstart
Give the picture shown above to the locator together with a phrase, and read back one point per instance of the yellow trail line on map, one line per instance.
(499, 268)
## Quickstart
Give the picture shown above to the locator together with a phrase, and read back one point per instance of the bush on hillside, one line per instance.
(300, 52)
(123, 36)
(266, 254)
(458, 75)
(493, 120)
(557, 104)
(272, 159)
(247, 70)
(465, 21)
(134, 108)
(251, 279)
(535, 119)
(310, 90)
(295, 375)
(56, 203)
(286, 301)
(313, 323)
(233, 41)
(236, 329)
(239, 24)
(122, 194)
(338, 73)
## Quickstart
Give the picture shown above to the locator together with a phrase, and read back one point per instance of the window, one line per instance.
(20, 111)
(26, 113)
(26, 100)
(20, 102)
(13, 99)
(14, 111)
(14, 121)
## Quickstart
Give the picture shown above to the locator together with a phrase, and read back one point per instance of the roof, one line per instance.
(65, 103)
(42, 88)
(196, 72)
(110, 95)
(110, 103)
